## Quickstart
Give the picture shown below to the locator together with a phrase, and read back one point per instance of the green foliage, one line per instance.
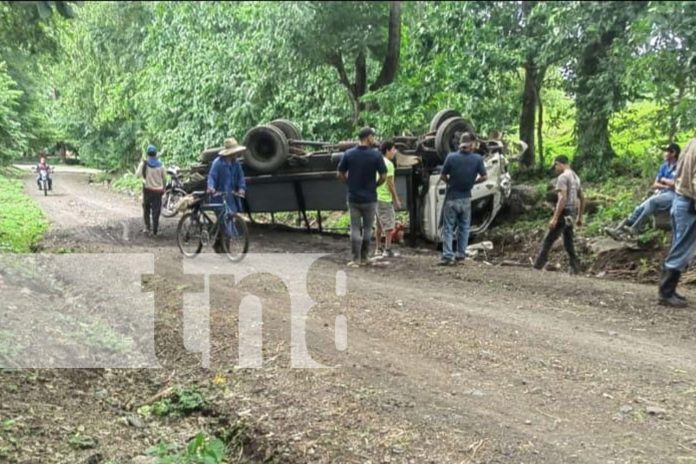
(128, 183)
(13, 139)
(200, 450)
(22, 223)
(181, 403)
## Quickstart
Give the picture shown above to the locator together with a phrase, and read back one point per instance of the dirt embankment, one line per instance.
(475, 363)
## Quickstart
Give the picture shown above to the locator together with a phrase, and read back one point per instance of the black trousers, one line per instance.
(152, 206)
(563, 227)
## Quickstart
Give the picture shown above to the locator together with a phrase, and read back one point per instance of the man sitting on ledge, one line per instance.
(661, 200)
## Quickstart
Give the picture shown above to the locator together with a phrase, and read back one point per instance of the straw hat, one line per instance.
(231, 147)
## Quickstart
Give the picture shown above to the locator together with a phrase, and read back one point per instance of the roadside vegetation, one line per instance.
(22, 223)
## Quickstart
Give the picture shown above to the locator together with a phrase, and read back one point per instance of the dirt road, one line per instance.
(475, 363)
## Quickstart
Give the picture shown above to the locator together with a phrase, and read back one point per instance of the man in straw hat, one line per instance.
(683, 229)
(226, 175)
(461, 171)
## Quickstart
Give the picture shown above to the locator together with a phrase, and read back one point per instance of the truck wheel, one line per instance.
(441, 117)
(209, 154)
(267, 149)
(447, 137)
(291, 131)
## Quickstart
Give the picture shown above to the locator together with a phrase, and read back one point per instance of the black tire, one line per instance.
(188, 236)
(170, 202)
(209, 154)
(441, 117)
(267, 149)
(45, 188)
(447, 137)
(291, 131)
(235, 247)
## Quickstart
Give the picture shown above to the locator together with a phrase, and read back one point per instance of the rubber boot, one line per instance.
(668, 289)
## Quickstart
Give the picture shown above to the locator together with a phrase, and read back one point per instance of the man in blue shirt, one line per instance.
(226, 176)
(661, 200)
(359, 168)
(462, 169)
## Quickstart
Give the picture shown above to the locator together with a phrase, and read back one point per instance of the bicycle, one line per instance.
(197, 229)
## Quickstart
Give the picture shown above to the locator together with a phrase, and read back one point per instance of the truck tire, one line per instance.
(447, 137)
(209, 154)
(267, 149)
(291, 131)
(441, 117)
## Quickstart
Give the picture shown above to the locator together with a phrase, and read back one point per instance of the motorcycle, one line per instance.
(173, 193)
(44, 182)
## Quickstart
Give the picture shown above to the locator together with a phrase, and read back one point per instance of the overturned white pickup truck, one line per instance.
(281, 176)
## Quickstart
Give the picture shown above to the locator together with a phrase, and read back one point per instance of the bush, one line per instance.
(22, 223)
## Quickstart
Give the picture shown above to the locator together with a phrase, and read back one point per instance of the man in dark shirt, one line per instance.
(462, 169)
(359, 168)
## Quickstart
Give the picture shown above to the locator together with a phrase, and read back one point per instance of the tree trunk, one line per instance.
(594, 150)
(529, 104)
(540, 134)
(673, 116)
(390, 65)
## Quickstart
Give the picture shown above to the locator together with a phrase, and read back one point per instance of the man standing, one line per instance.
(569, 209)
(359, 168)
(661, 200)
(227, 176)
(154, 181)
(387, 199)
(683, 229)
(461, 170)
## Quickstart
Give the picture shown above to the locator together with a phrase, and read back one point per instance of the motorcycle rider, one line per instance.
(154, 180)
(43, 166)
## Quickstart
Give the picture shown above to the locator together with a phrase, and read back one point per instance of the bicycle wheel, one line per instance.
(188, 236)
(235, 238)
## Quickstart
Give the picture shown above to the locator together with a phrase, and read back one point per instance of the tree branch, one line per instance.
(391, 59)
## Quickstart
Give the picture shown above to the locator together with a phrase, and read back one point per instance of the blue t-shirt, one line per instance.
(362, 165)
(462, 168)
(666, 171)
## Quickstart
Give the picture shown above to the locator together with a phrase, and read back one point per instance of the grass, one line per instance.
(22, 223)
(128, 183)
(200, 450)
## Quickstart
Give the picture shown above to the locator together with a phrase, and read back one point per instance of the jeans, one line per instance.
(564, 227)
(152, 205)
(456, 212)
(683, 234)
(362, 219)
(661, 201)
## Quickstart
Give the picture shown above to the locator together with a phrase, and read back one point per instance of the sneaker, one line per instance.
(446, 262)
(145, 231)
(365, 263)
(390, 254)
(379, 252)
(459, 259)
(353, 264)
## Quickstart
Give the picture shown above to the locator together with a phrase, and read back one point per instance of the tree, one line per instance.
(598, 83)
(340, 33)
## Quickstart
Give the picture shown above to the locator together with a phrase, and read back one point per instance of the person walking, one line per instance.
(387, 199)
(683, 214)
(359, 168)
(154, 181)
(461, 171)
(569, 210)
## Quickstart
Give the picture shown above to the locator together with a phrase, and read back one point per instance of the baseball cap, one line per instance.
(365, 132)
(561, 159)
(151, 149)
(673, 147)
(467, 137)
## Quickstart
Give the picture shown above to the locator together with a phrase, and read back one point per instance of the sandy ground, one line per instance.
(475, 363)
